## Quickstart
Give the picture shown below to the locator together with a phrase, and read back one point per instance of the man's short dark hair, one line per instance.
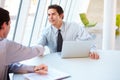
(4, 16)
(57, 7)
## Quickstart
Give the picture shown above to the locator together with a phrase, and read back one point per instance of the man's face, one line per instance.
(53, 17)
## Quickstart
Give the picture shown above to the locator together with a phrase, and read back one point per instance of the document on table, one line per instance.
(53, 74)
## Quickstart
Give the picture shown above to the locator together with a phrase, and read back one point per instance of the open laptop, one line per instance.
(76, 49)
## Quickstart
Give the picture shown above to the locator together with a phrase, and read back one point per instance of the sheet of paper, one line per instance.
(11, 76)
(53, 74)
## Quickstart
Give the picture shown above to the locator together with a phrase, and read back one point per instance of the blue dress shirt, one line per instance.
(69, 31)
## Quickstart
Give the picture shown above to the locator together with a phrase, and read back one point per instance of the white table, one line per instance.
(106, 68)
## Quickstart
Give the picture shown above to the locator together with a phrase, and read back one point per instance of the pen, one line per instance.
(38, 69)
(41, 71)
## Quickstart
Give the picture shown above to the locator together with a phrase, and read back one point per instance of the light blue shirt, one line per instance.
(69, 31)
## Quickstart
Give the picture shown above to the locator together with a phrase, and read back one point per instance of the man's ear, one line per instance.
(62, 15)
(4, 25)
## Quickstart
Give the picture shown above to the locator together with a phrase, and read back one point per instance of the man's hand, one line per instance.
(41, 69)
(94, 55)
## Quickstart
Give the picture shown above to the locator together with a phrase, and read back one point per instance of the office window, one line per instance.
(30, 21)
(28, 17)
(13, 7)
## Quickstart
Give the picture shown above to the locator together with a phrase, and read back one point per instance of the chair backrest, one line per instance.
(84, 19)
(118, 20)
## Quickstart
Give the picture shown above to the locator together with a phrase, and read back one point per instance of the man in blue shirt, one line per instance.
(69, 31)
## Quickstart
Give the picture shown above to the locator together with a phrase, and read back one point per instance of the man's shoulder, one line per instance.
(74, 24)
(6, 42)
(46, 30)
(47, 27)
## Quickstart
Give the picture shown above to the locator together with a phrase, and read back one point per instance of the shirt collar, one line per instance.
(1, 39)
(62, 28)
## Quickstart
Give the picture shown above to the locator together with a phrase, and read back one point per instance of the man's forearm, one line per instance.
(20, 68)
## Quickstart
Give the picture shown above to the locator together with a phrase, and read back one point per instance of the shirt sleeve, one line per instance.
(16, 52)
(20, 68)
(84, 35)
(43, 38)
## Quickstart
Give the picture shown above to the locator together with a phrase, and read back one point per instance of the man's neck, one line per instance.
(58, 26)
(1, 35)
